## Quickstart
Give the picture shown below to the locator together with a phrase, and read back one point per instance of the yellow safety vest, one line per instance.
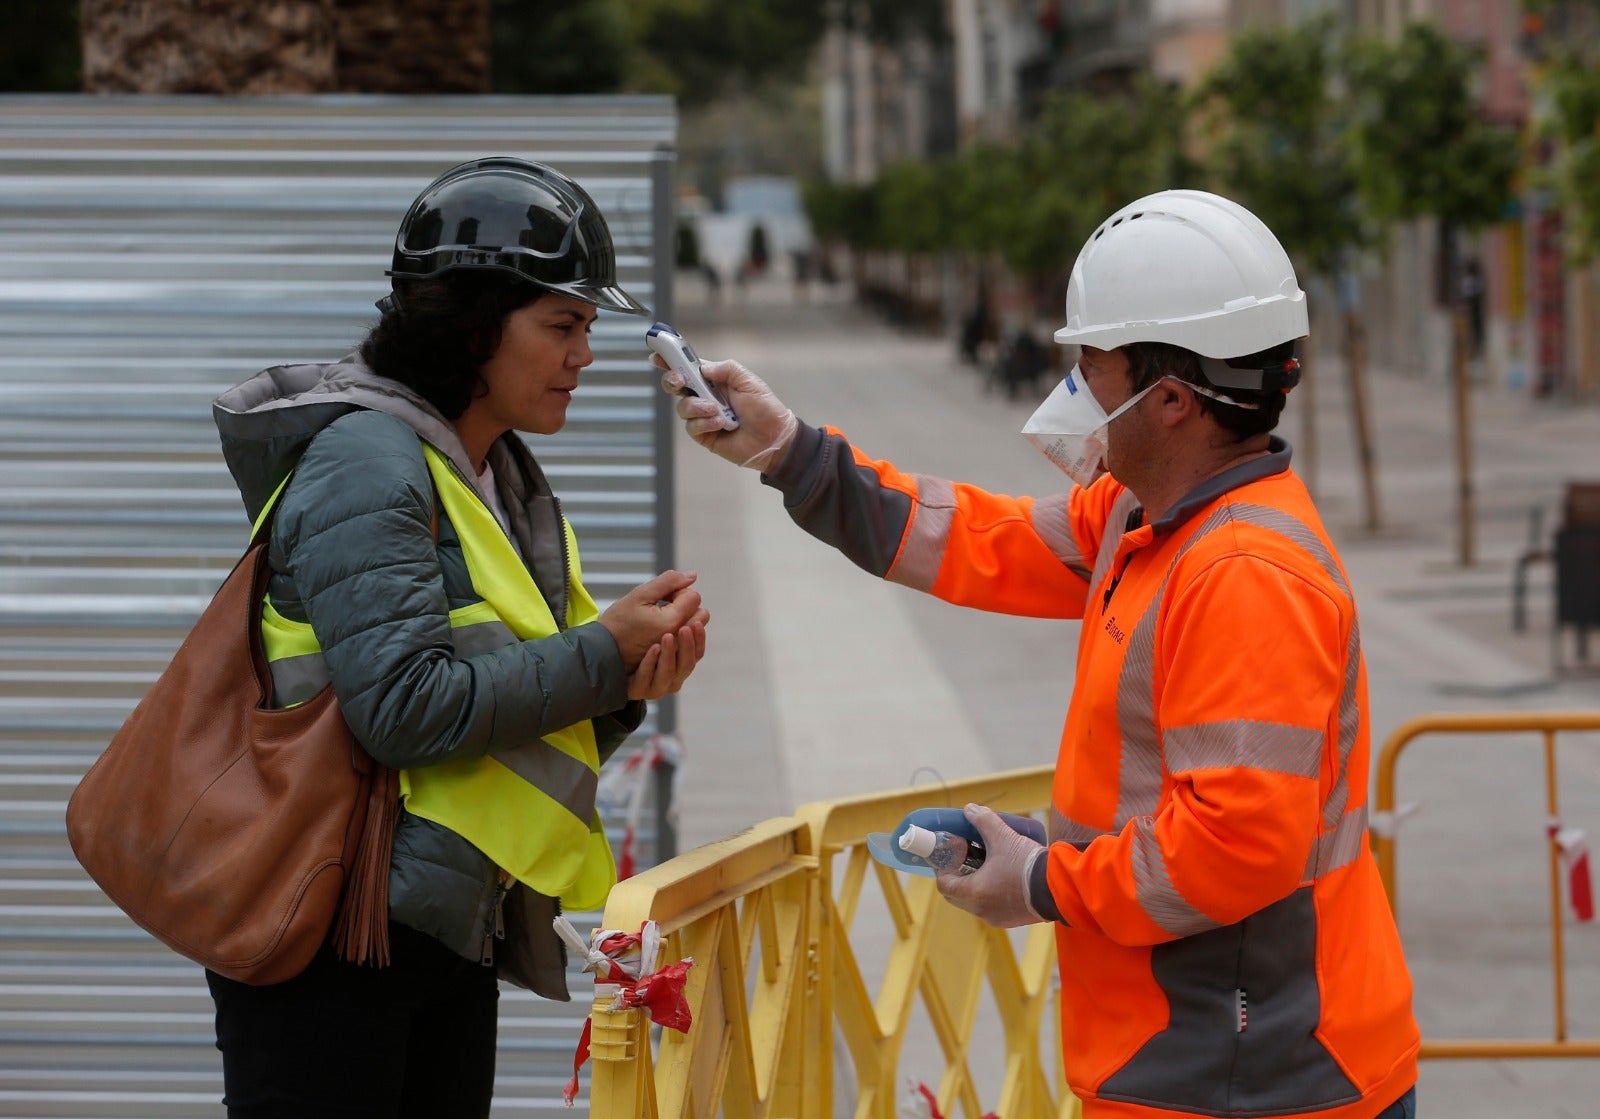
(528, 807)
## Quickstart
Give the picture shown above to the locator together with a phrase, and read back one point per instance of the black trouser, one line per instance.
(416, 1038)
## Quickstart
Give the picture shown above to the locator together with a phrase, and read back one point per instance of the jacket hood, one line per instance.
(266, 422)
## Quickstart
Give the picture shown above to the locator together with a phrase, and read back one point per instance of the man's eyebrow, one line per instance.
(577, 316)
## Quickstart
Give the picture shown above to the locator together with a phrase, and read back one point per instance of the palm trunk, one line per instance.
(413, 46)
(208, 46)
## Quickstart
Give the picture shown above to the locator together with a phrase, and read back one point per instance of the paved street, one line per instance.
(822, 682)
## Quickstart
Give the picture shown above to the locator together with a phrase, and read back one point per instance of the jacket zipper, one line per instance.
(497, 923)
(566, 565)
(1111, 584)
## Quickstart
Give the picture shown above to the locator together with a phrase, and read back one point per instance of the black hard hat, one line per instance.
(516, 216)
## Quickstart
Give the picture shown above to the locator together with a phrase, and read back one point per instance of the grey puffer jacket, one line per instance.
(353, 553)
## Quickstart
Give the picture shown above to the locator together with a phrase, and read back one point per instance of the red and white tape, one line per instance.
(1573, 844)
(624, 967)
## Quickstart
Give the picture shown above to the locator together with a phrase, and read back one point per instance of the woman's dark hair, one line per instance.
(1148, 362)
(441, 330)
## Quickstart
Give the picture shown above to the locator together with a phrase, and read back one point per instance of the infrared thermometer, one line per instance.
(682, 360)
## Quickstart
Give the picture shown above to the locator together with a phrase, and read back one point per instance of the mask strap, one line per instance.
(1217, 396)
(1134, 399)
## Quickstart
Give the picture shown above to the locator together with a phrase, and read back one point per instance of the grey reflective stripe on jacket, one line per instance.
(297, 679)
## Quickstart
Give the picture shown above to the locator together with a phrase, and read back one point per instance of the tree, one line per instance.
(561, 46)
(286, 46)
(412, 46)
(1274, 136)
(204, 46)
(1087, 157)
(1423, 149)
(1566, 37)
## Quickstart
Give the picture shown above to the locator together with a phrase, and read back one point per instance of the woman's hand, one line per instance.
(667, 663)
(660, 630)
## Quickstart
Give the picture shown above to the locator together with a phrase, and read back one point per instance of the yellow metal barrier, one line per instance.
(1383, 848)
(768, 917)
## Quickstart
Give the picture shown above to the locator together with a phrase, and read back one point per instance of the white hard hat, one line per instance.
(1189, 269)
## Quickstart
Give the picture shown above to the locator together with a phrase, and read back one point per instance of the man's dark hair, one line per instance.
(1148, 362)
(441, 331)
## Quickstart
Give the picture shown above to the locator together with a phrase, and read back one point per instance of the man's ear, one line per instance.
(1177, 402)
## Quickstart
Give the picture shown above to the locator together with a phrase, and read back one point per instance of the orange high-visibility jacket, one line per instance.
(1225, 944)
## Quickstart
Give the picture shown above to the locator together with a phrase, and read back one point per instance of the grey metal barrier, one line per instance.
(153, 252)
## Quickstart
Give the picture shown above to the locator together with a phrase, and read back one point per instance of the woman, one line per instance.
(421, 564)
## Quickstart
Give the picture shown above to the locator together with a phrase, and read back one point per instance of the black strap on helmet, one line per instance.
(513, 215)
(1279, 376)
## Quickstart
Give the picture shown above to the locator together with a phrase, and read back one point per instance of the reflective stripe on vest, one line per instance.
(529, 807)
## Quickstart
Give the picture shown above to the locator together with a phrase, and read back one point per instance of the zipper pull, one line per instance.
(1244, 1012)
(1111, 584)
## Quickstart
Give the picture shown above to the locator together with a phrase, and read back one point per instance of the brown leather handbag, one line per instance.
(238, 834)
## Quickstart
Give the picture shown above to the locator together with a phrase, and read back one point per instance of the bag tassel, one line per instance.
(361, 929)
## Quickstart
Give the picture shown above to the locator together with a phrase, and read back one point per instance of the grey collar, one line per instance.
(1275, 461)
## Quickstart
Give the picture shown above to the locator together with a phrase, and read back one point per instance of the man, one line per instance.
(1225, 944)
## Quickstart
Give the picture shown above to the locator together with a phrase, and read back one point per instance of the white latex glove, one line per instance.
(766, 426)
(998, 891)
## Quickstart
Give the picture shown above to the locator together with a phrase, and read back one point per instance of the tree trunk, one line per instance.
(413, 46)
(1466, 511)
(208, 46)
(1356, 368)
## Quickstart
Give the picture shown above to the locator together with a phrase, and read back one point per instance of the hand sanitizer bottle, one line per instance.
(944, 852)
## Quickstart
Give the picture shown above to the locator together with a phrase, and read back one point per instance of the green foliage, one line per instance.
(696, 50)
(1571, 85)
(700, 49)
(1088, 157)
(891, 21)
(1034, 203)
(844, 212)
(39, 47)
(559, 46)
(917, 206)
(1421, 146)
(1275, 139)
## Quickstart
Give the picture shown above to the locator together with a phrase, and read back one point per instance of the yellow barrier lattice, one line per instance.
(772, 918)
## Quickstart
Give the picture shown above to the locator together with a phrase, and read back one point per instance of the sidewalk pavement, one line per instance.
(822, 682)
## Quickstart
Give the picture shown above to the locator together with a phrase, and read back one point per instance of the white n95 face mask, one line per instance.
(1069, 428)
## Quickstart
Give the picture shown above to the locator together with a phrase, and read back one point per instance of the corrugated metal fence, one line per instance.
(152, 253)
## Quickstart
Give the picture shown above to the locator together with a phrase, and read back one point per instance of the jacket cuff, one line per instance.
(1040, 899)
(801, 468)
(590, 682)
